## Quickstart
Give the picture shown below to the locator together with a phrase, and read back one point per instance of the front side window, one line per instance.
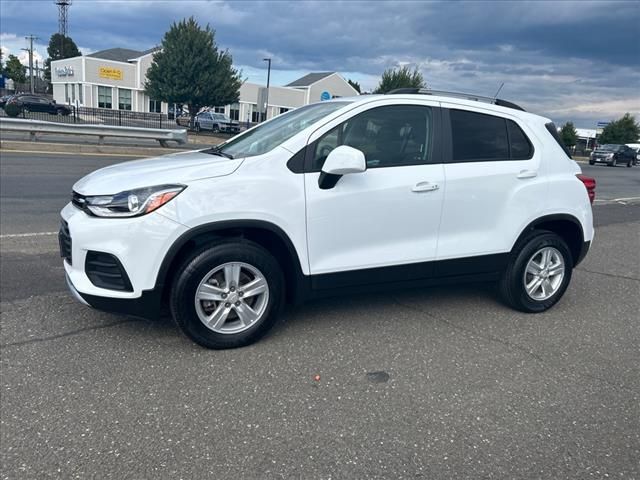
(104, 97)
(389, 136)
(124, 99)
(269, 135)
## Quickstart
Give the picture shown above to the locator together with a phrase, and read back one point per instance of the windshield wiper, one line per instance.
(217, 151)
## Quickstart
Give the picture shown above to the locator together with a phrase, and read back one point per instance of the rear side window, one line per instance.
(553, 130)
(478, 137)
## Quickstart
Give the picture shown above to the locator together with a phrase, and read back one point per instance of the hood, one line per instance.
(183, 167)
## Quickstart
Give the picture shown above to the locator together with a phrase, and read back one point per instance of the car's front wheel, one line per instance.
(228, 295)
(538, 273)
(614, 162)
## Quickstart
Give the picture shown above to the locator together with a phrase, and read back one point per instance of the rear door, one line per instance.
(387, 215)
(494, 182)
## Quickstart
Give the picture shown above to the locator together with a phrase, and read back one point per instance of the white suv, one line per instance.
(353, 194)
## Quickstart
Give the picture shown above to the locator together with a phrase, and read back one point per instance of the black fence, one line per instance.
(102, 116)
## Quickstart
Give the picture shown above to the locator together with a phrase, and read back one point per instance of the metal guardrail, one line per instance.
(33, 127)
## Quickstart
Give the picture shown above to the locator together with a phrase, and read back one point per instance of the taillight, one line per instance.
(590, 185)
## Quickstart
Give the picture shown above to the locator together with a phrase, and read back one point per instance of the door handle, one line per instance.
(425, 187)
(527, 174)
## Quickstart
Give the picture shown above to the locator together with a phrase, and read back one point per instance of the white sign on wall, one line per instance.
(64, 71)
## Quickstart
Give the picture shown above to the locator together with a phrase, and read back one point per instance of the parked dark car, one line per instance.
(38, 103)
(612, 154)
(4, 99)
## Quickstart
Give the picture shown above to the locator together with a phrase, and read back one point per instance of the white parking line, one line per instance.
(21, 235)
(613, 200)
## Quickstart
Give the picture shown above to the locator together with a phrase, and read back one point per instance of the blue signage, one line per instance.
(325, 96)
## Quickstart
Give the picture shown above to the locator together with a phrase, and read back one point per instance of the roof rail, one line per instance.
(466, 96)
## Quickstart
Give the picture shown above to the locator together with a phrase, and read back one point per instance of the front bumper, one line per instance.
(139, 244)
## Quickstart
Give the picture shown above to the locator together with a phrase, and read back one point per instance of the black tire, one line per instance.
(215, 128)
(614, 163)
(512, 283)
(629, 163)
(591, 163)
(197, 128)
(196, 268)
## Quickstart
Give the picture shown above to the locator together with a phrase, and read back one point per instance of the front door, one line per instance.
(388, 215)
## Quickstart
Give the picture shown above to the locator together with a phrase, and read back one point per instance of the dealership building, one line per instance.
(115, 79)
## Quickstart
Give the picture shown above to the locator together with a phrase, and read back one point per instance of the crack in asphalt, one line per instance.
(67, 334)
(513, 346)
(613, 275)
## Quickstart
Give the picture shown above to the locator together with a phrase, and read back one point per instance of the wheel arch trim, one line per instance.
(218, 226)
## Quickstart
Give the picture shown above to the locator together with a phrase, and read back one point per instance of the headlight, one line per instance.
(132, 203)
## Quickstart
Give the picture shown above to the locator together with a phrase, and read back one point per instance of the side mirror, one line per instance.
(342, 160)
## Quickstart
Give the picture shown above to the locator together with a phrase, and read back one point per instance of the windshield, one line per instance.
(611, 148)
(268, 136)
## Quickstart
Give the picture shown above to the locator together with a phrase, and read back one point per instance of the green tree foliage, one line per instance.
(15, 70)
(623, 130)
(355, 85)
(569, 134)
(59, 47)
(402, 77)
(190, 69)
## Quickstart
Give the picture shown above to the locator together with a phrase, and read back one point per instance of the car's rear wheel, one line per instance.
(629, 163)
(228, 295)
(538, 273)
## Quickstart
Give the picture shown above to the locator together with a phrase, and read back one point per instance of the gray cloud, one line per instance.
(568, 60)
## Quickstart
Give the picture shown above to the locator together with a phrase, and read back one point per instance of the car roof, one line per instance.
(462, 102)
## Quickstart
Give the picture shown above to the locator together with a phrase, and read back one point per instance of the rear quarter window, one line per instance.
(552, 129)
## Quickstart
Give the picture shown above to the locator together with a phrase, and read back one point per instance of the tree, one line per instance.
(355, 85)
(402, 77)
(15, 70)
(59, 47)
(569, 134)
(189, 69)
(623, 130)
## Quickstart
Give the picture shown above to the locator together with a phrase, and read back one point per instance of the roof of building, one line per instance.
(121, 54)
(309, 79)
(116, 54)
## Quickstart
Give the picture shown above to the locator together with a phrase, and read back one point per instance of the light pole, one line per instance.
(266, 107)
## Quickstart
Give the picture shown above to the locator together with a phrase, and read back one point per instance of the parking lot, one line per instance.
(433, 383)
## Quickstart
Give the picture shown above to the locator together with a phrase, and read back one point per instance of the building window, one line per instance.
(218, 109)
(73, 92)
(124, 99)
(155, 106)
(283, 110)
(80, 93)
(255, 114)
(104, 97)
(234, 112)
(66, 93)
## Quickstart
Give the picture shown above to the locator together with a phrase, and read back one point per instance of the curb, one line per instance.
(12, 145)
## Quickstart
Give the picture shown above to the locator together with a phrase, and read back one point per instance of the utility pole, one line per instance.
(266, 107)
(31, 38)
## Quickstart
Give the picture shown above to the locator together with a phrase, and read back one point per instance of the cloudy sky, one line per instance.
(567, 60)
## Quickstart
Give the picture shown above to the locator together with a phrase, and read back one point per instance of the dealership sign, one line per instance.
(64, 71)
(111, 73)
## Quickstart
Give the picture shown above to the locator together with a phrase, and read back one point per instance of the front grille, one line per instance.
(64, 241)
(79, 201)
(105, 271)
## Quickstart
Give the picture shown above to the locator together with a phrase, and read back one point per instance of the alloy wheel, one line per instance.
(232, 298)
(544, 273)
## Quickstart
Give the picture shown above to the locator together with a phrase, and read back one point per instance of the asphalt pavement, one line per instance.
(431, 383)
